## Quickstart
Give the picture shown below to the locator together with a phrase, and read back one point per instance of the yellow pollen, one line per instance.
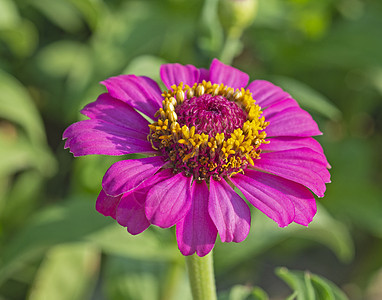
(201, 155)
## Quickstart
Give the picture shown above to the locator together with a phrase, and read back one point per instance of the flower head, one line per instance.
(210, 134)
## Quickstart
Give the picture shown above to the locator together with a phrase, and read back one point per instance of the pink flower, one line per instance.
(211, 132)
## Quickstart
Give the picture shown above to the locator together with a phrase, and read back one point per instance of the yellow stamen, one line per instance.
(225, 154)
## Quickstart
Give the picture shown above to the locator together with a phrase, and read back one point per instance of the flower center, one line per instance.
(210, 114)
(208, 130)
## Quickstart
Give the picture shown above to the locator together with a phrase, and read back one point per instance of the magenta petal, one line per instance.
(176, 73)
(140, 92)
(125, 175)
(98, 137)
(230, 76)
(288, 143)
(111, 110)
(261, 190)
(292, 121)
(302, 165)
(266, 93)
(229, 212)
(279, 106)
(169, 201)
(131, 210)
(303, 200)
(204, 75)
(107, 205)
(196, 232)
(131, 214)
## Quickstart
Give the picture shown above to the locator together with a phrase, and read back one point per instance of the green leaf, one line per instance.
(21, 38)
(60, 12)
(308, 97)
(330, 232)
(21, 154)
(91, 11)
(133, 279)
(155, 245)
(65, 223)
(266, 234)
(17, 106)
(259, 294)
(309, 286)
(297, 283)
(68, 272)
(241, 292)
(20, 198)
(67, 59)
(9, 15)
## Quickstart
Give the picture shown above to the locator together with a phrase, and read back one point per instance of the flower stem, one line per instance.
(201, 276)
(231, 46)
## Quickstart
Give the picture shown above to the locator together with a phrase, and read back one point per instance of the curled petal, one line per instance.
(169, 201)
(176, 73)
(196, 232)
(126, 175)
(302, 165)
(107, 205)
(230, 76)
(261, 191)
(140, 92)
(111, 110)
(131, 210)
(302, 199)
(229, 212)
(131, 214)
(98, 137)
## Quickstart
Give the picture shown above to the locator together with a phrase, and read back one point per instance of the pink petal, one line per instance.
(111, 110)
(140, 192)
(302, 165)
(196, 232)
(140, 92)
(229, 212)
(98, 137)
(279, 106)
(266, 93)
(107, 205)
(131, 214)
(204, 75)
(176, 73)
(303, 200)
(292, 121)
(169, 201)
(125, 175)
(131, 210)
(261, 190)
(230, 76)
(288, 143)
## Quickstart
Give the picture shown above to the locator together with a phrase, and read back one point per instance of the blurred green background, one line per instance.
(54, 245)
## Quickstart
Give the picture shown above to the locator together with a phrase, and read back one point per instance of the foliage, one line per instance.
(53, 245)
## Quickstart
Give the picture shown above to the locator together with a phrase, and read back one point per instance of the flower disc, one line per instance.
(208, 130)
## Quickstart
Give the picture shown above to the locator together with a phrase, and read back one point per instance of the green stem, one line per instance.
(231, 46)
(201, 276)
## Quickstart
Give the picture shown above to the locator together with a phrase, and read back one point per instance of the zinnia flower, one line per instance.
(210, 135)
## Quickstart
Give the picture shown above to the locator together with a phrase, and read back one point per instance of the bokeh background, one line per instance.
(54, 245)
